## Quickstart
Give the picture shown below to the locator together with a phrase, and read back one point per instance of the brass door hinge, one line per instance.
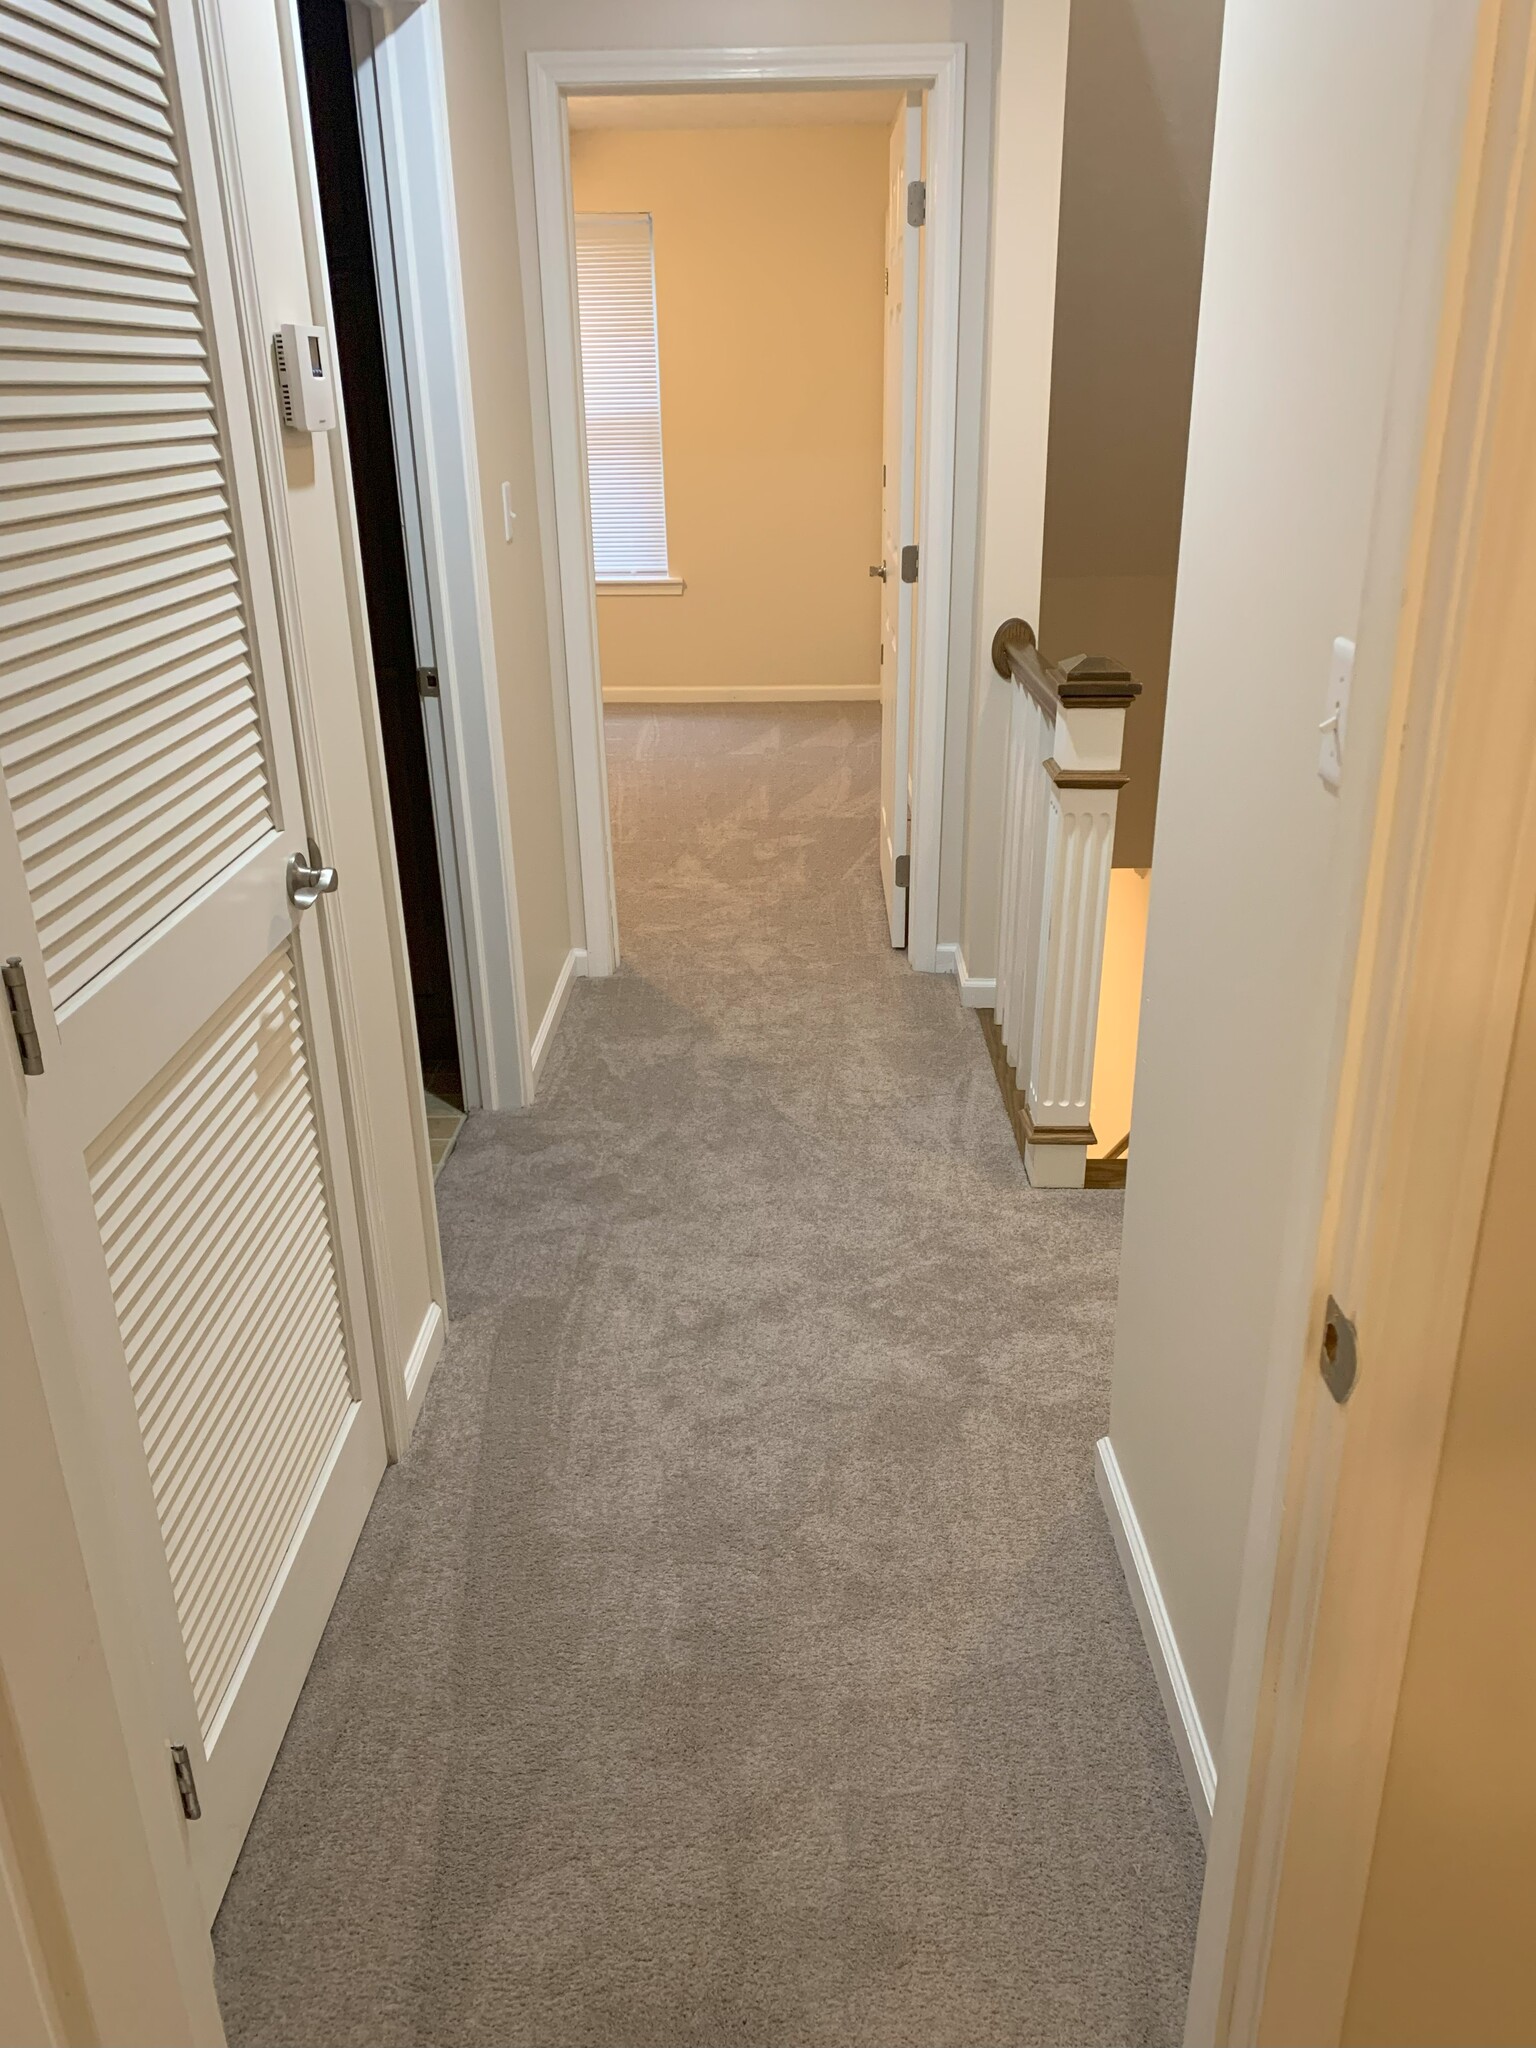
(23, 1023)
(186, 1784)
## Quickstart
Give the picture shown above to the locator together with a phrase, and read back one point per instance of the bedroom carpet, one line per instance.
(739, 1654)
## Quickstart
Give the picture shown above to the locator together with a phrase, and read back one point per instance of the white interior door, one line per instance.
(186, 1129)
(898, 513)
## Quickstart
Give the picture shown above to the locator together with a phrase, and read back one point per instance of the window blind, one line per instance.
(616, 293)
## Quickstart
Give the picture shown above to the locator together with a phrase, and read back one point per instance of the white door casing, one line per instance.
(402, 109)
(938, 71)
(186, 1133)
(898, 510)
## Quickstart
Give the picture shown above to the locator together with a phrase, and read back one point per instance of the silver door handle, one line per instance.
(879, 569)
(307, 884)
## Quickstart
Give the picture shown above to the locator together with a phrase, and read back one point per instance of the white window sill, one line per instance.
(641, 586)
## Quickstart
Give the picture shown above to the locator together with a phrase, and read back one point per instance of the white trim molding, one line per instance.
(574, 966)
(747, 693)
(1157, 1632)
(938, 69)
(404, 117)
(640, 586)
(422, 1363)
(977, 991)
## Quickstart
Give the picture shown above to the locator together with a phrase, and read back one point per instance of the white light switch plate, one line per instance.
(1335, 719)
(508, 516)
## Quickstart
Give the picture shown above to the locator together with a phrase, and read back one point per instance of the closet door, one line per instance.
(186, 1126)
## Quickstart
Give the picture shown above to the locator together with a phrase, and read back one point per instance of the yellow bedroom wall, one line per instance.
(769, 290)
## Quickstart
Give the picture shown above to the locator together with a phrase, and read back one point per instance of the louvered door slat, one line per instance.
(240, 1600)
(73, 876)
(191, 1352)
(144, 473)
(233, 1394)
(166, 1283)
(93, 626)
(95, 32)
(237, 1398)
(99, 245)
(153, 565)
(24, 203)
(142, 542)
(241, 1383)
(35, 154)
(129, 734)
(98, 72)
(139, 157)
(43, 379)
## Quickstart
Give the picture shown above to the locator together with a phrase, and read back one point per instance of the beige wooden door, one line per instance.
(898, 515)
(186, 1130)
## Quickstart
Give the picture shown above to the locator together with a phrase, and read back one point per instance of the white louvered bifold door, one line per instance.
(186, 1128)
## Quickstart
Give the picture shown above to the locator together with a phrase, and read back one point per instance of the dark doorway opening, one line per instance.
(359, 344)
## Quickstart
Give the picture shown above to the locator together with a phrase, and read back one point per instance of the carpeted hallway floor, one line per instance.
(739, 1654)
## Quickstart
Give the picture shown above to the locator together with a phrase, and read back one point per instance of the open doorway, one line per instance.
(405, 672)
(748, 280)
(769, 518)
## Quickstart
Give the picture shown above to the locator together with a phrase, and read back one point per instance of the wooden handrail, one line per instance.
(1085, 679)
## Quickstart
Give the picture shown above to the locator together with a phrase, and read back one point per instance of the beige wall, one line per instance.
(1316, 328)
(770, 257)
(1130, 617)
(1445, 1951)
(537, 749)
(1026, 187)
(1141, 108)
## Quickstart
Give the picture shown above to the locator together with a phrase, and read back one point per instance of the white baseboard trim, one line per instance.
(1157, 1632)
(726, 693)
(575, 963)
(421, 1364)
(976, 993)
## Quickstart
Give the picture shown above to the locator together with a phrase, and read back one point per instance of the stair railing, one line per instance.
(1065, 735)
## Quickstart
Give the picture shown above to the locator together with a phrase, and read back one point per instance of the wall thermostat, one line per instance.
(305, 378)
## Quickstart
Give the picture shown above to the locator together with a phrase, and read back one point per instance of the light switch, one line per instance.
(1330, 752)
(508, 516)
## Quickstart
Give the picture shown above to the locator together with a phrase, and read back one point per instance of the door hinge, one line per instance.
(1339, 1359)
(903, 869)
(23, 1023)
(917, 203)
(909, 563)
(186, 1784)
(426, 682)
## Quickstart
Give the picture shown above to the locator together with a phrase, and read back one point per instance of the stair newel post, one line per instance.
(1063, 794)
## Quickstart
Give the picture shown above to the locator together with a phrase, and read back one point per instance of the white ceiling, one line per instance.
(874, 105)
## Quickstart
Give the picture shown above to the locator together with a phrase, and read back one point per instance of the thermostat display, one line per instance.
(306, 378)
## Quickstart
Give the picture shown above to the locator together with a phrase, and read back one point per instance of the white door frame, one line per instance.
(935, 68)
(403, 115)
(1342, 1496)
(386, 145)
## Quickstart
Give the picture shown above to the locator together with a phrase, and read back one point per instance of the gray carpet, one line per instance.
(739, 1654)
